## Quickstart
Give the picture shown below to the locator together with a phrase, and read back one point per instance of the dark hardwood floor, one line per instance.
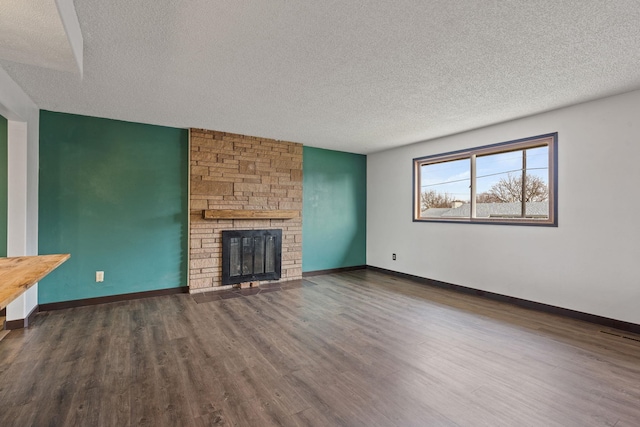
(350, 349)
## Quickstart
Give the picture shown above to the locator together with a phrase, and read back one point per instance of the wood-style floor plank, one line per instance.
(351, 349)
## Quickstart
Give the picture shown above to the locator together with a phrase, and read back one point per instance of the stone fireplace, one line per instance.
(242, 183)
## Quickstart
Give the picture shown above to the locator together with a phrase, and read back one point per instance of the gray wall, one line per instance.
(588, 263)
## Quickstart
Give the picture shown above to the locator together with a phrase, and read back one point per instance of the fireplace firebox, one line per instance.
(251, 255)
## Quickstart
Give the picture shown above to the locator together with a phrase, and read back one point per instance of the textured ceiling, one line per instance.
(31, 32)
(357, 76)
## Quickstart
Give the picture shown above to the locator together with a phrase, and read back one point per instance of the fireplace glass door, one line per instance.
(251, 255)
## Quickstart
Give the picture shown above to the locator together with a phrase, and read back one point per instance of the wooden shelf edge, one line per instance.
(249, 214)
(17, 274)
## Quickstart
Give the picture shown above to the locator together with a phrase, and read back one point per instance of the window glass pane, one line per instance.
(500, 189)
(499, 185)
(537, 183)
(445, 189)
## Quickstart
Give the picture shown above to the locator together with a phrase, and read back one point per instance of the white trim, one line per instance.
(23, 123)
(69, 19)
(15, 104)
(17, 189)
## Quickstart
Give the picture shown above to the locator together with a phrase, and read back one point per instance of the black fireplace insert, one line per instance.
(251, 255)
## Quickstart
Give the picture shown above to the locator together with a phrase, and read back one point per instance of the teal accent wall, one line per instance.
(334, 212)
(3, 185)
(114, 195)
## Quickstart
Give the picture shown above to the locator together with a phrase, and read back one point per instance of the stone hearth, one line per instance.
(237, 172)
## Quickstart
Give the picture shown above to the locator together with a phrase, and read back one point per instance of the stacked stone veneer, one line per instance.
(230, 171)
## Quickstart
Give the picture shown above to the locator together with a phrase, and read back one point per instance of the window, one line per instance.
(507, 183)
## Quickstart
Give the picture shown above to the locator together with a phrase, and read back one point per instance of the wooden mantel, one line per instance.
(249, 214)
(17, 274)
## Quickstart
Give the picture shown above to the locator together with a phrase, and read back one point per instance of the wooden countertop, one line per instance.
(17, 274)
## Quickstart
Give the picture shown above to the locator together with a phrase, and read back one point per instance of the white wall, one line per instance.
(22, 204)
(589, 263)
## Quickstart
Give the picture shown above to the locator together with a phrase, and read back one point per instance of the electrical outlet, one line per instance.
(393, 256)
(99, 276)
